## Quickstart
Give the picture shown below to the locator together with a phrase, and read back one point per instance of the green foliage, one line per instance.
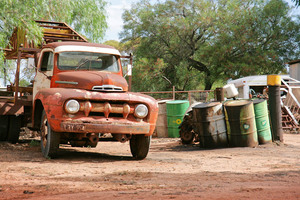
(297, 2)
(205, 41)
(87, 17)
(115, 44)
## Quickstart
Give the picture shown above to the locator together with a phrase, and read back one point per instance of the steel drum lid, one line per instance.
(207, 105)
(237, 103)
(257, 101)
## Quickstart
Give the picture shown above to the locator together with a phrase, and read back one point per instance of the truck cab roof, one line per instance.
(82, 46)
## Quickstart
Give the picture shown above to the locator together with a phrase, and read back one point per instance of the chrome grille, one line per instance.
(108, 88)
(106, 109)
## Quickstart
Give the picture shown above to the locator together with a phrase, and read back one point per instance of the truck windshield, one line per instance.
(87, 61)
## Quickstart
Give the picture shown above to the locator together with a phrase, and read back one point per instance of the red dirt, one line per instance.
(171, 171)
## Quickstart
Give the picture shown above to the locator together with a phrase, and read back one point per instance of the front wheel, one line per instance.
(139, 146)
(49, 138)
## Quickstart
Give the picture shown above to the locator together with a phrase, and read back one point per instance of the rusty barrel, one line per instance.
(209, 122)
(262, 121)
(175, 113)
(240, 121)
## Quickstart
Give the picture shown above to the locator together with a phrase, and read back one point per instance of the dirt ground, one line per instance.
(171, 171)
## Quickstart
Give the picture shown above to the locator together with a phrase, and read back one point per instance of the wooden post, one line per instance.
(130, 74)
(4, 73)
(190, 98)
(173, 92)
(17, 76)
(219, 94)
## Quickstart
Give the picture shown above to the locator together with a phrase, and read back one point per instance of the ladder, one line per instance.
(290, 104)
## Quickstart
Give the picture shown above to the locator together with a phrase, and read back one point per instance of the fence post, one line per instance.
(190, 98)
(173, 92)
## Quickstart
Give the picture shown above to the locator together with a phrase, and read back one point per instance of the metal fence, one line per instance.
(191, 95)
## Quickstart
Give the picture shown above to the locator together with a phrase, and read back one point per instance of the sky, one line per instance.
(115, 8)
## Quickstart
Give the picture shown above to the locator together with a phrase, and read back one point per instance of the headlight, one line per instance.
(141, 111)
(72, 106)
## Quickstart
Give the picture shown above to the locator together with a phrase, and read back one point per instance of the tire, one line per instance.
(14, 128)
(49, 139)
(139, 146)
(3, 127)
(186, 132)
(187, 137)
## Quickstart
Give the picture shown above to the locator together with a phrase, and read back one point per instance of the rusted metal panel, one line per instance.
(209, 122)
(53, 100)
(104, 126)
(79, 80)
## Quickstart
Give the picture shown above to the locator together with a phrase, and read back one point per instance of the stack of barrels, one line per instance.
(237, 123)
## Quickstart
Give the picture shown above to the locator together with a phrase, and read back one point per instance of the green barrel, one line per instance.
(262, 121)
(210, 124)
(175, 113)
(241, 126)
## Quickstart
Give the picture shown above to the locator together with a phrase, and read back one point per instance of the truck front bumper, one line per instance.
(77, 126)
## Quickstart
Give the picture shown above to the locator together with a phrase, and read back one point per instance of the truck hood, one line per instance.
(90, 80)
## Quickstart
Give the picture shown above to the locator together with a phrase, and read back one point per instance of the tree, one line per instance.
(297, 2)
(215, 39)
(88, 17)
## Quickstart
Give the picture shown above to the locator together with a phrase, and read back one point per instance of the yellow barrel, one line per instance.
(274, 80)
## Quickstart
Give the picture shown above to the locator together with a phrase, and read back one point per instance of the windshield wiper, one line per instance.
(81, 64)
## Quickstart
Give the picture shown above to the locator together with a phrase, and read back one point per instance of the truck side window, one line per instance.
(47, 61)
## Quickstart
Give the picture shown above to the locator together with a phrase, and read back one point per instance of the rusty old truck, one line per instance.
(78, 97)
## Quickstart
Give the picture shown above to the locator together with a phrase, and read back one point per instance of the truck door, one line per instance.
(44, 71)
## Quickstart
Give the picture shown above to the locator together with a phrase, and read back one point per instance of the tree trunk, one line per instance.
(208, 82)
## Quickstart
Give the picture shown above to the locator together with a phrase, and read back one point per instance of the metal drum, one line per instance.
(240, 121)
(175, 114)
(262, 121)
(209, 122)
(161, 128)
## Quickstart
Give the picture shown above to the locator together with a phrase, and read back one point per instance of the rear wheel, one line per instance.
(49, 138)
(139, 146)
(15, 123)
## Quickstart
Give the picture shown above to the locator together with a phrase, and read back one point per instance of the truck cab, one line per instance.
(80, 95)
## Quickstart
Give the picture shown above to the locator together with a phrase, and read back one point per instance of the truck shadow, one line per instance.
(79, 155)
(66, 153)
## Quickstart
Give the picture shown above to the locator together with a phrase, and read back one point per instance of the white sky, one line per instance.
(115, 8)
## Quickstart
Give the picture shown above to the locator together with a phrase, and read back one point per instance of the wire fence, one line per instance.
(191, 95)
